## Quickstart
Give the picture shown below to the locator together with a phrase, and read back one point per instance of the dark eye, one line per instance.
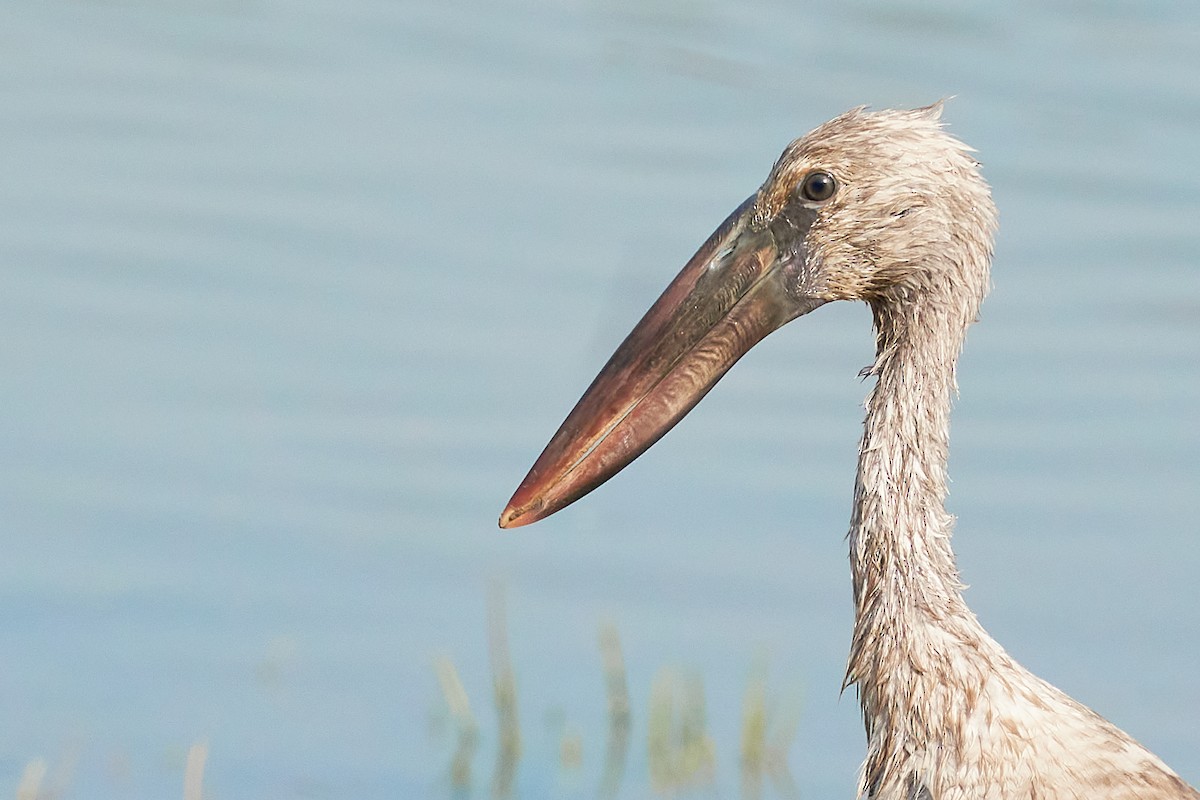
(818, 187)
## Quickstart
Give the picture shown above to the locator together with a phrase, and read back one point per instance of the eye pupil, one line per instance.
(818, 186)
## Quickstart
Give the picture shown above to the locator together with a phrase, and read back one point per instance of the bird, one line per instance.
(888, 208)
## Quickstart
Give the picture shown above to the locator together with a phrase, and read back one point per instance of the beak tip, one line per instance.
(518, 514)
(532, 501)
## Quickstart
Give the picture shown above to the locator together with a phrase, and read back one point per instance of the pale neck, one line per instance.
(904, 575)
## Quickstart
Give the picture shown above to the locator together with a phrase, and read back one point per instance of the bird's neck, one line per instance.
(900, 530)
(910, 616)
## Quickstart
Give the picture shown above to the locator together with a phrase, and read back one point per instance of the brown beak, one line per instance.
(740, 286)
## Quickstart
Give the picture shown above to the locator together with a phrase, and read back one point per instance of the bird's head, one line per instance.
(880, 206)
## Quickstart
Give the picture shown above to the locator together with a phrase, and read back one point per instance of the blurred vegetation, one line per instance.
(681, 755)
(39, 781)
(680, 752)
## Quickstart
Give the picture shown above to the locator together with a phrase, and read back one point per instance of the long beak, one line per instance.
(732, 293)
